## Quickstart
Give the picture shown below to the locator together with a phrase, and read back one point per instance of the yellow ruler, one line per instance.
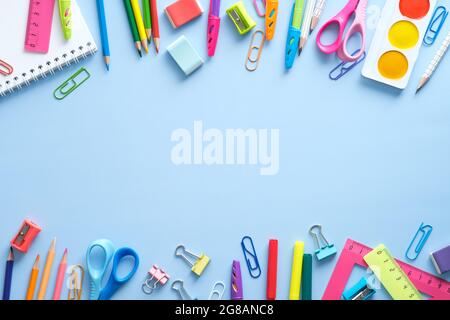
(387, 270)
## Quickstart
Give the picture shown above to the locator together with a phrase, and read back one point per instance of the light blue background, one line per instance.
(362, 159)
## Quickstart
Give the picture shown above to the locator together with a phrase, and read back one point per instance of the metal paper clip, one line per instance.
(76, 80)
(217, 291)
(76, 279)
(258, 4)
(155, 276)
(435, 25)
(254, 51)
(342, 68)
(324, 249)
(197, 266)
(178, 286)
(5, 68)
(360, 291)
(424, 231)
(253, 268)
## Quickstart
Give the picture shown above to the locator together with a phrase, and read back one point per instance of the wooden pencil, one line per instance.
(147, 19)
(8, 275)
(133, 27)
(155, 24)
(103, 32)
(47, 270)
(33, 279)
(139, 23)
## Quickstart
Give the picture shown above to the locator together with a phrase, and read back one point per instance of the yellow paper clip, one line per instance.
(76, 278)
(76, 80)
(255, 50)
(197, 266)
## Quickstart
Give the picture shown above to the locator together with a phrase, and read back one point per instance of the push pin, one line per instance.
(324, 249)
(156, 276)
(197, 266)
(23, 239)
(178, 286)
(360, 291)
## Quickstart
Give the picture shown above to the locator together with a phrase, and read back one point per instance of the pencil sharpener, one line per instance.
(360, 291)
(23, 239)
(240, 17)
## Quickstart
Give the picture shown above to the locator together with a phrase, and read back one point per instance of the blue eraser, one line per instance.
(185, 55)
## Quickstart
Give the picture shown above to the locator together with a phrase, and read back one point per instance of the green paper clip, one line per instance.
(240, 17)
(71, 84)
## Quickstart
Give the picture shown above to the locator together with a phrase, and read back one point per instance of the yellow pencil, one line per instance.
(140, 24)
(47, 270)
(33, 279)
(296, 275)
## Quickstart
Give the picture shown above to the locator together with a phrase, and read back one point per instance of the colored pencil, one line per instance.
(147, 19)
(140, 23)
(8, 275)
(320, 4)
(434, 63)
(103, 32)
(33, 279)
(309, 11)
(47, 269)
(133, 27)
(155, 24)
(60, 276)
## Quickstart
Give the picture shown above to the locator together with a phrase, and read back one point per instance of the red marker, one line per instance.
(272, 270)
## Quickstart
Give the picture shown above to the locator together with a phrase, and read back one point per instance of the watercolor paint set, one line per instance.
(397, 41)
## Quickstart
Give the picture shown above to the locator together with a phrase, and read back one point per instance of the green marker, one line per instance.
(147, 19)
(65, 14)
(298, 14)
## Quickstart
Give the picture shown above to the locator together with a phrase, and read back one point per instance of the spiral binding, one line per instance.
(49, 68)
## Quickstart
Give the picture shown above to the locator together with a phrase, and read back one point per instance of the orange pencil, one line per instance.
(33, 279)
(47, 270)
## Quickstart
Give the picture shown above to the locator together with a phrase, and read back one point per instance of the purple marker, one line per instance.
(213, 26)
(237, 291)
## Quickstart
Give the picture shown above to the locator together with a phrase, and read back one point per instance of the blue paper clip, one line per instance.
(254, 269)
(435, 26)
(360, 291)
(345, 67)
(425, 230)
(324, 249)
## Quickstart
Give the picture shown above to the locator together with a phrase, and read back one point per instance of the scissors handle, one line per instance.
(341, 20)
(358, 27)
(114, 282)
(96, 273)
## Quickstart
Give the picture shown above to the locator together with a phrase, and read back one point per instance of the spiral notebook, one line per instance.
(32, 67)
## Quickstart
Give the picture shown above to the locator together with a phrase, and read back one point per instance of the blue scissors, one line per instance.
(97, 274)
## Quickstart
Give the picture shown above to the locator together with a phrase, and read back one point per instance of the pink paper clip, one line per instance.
(258, 4)
(5, 68)
(156, 276)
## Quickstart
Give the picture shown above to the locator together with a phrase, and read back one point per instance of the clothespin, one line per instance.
(198, 265)
(155, 276)
(23, 239)
(324, 249)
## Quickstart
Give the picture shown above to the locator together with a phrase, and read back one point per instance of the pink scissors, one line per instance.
(358, 8)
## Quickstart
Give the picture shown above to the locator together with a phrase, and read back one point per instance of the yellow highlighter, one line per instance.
(65, 13)
(296, 273)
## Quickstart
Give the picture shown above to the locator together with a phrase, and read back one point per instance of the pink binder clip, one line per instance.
(156, 276)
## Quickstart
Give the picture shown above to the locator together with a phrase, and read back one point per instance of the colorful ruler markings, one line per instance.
(353, 255)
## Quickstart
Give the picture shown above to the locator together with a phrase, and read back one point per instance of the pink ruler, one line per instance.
(352, 255)
(39, 25)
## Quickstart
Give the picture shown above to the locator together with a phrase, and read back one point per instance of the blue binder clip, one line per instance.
(324, 249)
(435, 26)
(360, 291)
(424, 231)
